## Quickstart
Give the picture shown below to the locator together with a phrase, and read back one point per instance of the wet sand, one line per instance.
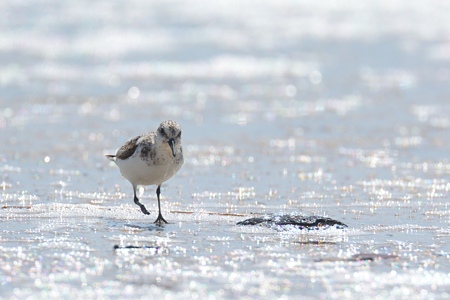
(331, 109)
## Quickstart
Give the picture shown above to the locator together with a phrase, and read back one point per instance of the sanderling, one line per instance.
(150, 159)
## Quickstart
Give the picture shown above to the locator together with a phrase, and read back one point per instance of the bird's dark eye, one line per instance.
(179, 134)
(162, 132)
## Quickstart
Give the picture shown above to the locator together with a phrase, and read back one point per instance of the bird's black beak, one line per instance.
(172, 145)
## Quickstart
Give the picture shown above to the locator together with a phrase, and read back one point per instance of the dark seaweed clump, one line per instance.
(284, 222)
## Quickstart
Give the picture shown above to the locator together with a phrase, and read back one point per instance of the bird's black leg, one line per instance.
(136, 200)
(160, 218)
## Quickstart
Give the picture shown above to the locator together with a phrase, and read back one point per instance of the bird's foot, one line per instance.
(144, 210)
(160, 220)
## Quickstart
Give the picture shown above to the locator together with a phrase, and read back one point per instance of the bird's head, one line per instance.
(170, 132)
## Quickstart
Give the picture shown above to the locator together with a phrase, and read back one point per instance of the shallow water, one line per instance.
(328, 109)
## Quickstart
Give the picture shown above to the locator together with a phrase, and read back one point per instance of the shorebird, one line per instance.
(151, 159)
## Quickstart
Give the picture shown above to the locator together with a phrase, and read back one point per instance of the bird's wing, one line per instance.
(127, 149)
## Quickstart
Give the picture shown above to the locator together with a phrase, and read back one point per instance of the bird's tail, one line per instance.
(111, 157)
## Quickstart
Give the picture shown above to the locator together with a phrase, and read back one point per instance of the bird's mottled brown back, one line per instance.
(128, 149)
(148, 149)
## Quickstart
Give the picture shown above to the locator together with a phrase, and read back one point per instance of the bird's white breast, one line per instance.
(141, 171)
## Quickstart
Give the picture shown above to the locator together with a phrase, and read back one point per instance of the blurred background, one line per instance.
(267, 80)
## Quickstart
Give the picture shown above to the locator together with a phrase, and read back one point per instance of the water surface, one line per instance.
(332, 109)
